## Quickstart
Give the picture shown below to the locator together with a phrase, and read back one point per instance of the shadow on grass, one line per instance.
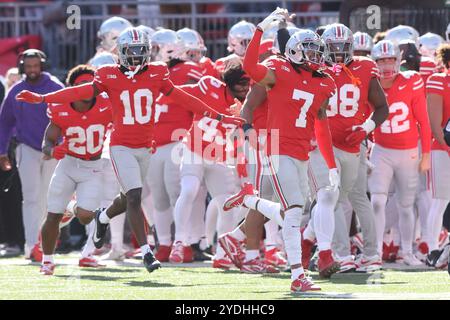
(91, 277)
(152, 284)
(114, 270)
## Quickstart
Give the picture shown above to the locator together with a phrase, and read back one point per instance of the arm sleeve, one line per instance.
(71, 94)
(192, 103)
(7, 121)
(251, 66)
(419, 107)
(323, 137)
(282, 37)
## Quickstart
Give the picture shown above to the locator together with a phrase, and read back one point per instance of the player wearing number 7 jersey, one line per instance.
(132, 86)
(395, 154)
(297, 95)
(82, 124)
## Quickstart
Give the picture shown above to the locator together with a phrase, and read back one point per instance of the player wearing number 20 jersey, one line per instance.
(395, 154)
(82, 125)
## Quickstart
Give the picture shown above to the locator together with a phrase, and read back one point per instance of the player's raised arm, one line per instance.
(197, 106)
(66, 95)
(258, 72)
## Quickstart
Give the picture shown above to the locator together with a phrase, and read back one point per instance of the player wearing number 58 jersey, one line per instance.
(82, 125)
(297, 95)
(132, 86)
(351, 119)
(395, 154)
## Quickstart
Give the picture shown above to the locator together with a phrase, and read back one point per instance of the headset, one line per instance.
(31, 53)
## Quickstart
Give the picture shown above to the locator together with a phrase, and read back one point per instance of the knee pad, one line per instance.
(327, 197)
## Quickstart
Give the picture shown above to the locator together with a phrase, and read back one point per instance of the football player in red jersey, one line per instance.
(207, 151)
(82, 124)
(294, 113)
(395, 154)
(132, 86)
(351, 120)
(428, 44)
(438, 94)
(170, 119)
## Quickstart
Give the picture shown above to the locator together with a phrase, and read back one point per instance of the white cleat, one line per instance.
(368, 264)
(411, 260)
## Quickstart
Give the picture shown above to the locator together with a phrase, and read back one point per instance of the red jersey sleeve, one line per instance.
(52, 114)
(435, 84)
(100, 78)
(419, 108)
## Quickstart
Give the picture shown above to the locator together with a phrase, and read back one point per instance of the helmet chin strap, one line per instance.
(131, 73)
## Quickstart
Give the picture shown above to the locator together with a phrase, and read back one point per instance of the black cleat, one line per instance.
(433, 257)
(199, 254)
(100, 229)
(150, 262)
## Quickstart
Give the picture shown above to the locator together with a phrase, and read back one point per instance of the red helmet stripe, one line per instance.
(338, 32)
(135, 35)
(385, 48)
(361, 42)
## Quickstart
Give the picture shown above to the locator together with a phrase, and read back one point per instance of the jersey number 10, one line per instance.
(142, 113)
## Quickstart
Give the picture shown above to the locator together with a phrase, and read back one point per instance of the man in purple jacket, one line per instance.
(28, 122)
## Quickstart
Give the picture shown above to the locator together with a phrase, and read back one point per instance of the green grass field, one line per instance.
(20, 279)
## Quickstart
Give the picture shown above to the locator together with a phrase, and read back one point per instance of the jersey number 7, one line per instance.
(308, 97)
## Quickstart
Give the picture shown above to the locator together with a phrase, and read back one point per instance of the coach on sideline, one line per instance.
(29, 121)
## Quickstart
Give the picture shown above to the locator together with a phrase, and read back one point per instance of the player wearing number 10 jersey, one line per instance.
(82, 124)
(132, 86)
(395, 154)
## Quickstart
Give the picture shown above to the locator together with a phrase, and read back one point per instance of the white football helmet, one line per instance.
(193, 43)
(166, 45)
(149, 31)
(239, 37)
(102, 58)
(134, 48)
(429, 42)
(338, 40)
(386, 49)
(402, 33)
(305, 46)
(291, 30)
(110, 30)
(362, 42)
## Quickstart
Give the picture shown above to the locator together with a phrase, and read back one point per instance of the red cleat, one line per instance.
(238, 199)
(36, 253)
(386, 250)
(188, 254)
(303, 284)
(233, 248)
(394, 255)
(163, 253)
(224, 263)
(258, 266)
(307, 246)
(47, 269)
(177, 253)
(326, 264)
(275, 258)
(90, 262)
